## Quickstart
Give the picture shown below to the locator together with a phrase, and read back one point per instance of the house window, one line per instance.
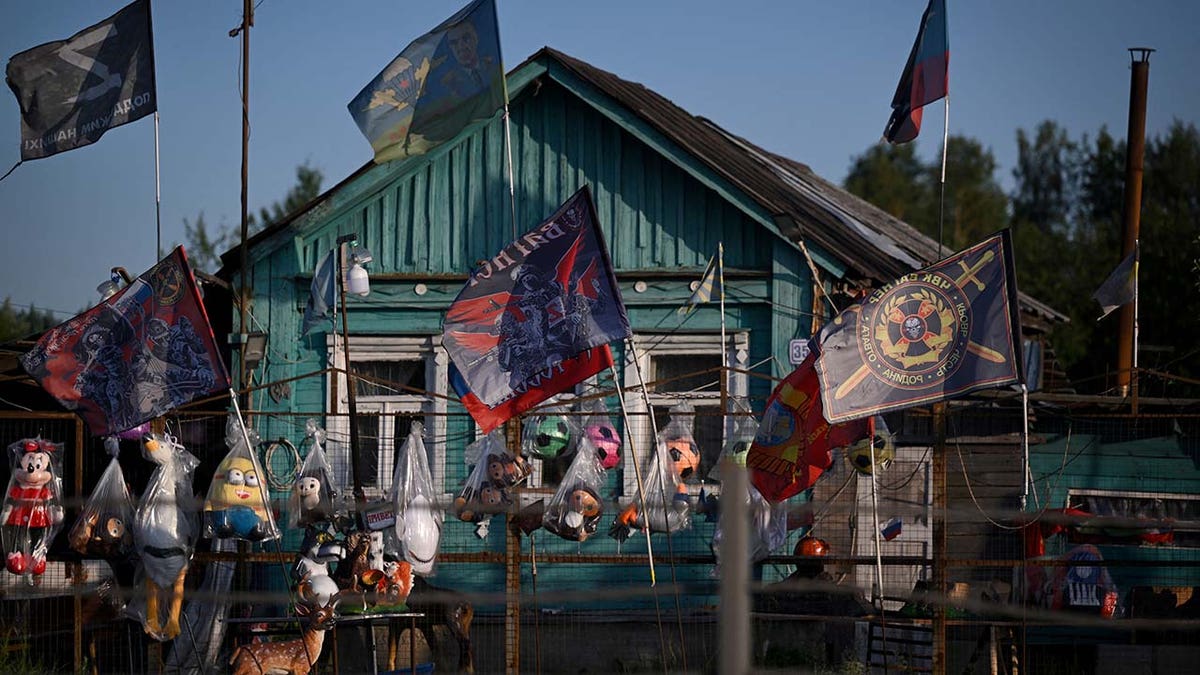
(404, 382)
(678, 368)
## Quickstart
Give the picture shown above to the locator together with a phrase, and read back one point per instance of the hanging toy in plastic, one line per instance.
(165, 531)
(238, 503)
(418, 518)
(574, 511)
(105, 525)
(859, 453)
(313, 499)
(667, 502)
(601, 432)
(548, 434)
(33, 509)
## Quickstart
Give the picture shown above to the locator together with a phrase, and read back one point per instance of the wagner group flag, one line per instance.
(440, 83)
(926, 76)
(944, 331)
(72, 91)
(794, 444)
(545, 298)
(142, 352)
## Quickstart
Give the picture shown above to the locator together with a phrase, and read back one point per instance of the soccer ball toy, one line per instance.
(553, 436)
(685, 457)
(608, 443)
(859, 454)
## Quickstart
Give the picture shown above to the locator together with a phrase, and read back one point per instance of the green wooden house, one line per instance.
(668, 188)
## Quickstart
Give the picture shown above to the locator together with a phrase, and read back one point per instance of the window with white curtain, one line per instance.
(682, 367)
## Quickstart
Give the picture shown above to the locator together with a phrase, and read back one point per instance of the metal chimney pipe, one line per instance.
(1135, 151)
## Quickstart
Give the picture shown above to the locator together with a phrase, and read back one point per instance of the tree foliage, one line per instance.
(18, 323)
(205, 244)
(1066, 211)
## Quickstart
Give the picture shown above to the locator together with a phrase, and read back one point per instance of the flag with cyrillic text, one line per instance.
(439, 84)
(938, 333)
(72, 91)
(544, 299)
(144, 351)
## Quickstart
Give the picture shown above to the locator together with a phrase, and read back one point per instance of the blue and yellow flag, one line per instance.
(710, 285)
(441, 83)
(941, 332)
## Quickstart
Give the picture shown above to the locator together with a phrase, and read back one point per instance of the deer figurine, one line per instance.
(293, 656)
(165, 530)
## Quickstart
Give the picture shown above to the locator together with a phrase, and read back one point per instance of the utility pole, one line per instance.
(1135, 151)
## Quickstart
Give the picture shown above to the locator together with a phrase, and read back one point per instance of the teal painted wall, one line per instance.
(438, 215)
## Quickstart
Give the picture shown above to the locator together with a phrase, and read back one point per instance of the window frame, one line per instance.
(737, 356)
(433, 405)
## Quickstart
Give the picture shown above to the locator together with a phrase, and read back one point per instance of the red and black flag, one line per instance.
(137, 355)
(537, 318)
(925, 78)
(942, 332)
(72, 91)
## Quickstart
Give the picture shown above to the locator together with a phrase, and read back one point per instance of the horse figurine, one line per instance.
(165, 530)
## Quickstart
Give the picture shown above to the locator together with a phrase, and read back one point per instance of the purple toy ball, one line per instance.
(608, 443)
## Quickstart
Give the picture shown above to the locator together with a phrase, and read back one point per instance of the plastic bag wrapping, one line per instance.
(485, 492)
(105, 525)
(768, 522)
(239, 504)
(314, 497)
(418, 526)
(165, 527)
(599, 429)
(676, 458)
(550, 434)
(32, 512)
(575, 509)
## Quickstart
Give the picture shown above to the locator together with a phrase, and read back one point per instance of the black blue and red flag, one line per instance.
(142, 352)
(926, 76)
(938, 333)
(518, 328)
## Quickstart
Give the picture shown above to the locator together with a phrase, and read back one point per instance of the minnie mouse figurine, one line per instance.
(32, 510)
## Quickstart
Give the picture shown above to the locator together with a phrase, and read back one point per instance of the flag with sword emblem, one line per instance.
(938, 333)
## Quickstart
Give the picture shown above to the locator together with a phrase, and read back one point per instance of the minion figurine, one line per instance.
(236, 504)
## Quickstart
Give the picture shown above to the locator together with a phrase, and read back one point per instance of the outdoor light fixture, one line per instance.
(256, 349)
(357, 281)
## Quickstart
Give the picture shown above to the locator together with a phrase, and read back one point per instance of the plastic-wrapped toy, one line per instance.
(676, 459)
(238, 504)
(418, 518)
(548, 434)
(859, 453)
(314, 498)
(105, 525)
(575, 509)
(485, 492)
(33, 509)
(599, 429)
(768, 522)
(165, 530)
(480, 498)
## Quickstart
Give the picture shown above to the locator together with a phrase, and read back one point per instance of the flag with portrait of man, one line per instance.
(440, 84)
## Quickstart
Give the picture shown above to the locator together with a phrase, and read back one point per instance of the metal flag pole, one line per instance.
(637, 471)
(1026, 475)
(1133, 378)
(942, 197)
(877, 592)
(158, 250)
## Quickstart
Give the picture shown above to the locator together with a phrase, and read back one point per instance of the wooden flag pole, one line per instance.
(637, 471)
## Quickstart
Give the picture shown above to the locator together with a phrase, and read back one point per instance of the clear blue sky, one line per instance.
(808, 80)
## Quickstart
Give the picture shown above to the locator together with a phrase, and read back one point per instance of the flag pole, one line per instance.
(942, 196)
(724, 346)
(1137, 256)
(158, 251)
(637, 471)
(877, 591)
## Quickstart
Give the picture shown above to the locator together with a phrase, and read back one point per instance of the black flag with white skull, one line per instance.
(72, 91)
